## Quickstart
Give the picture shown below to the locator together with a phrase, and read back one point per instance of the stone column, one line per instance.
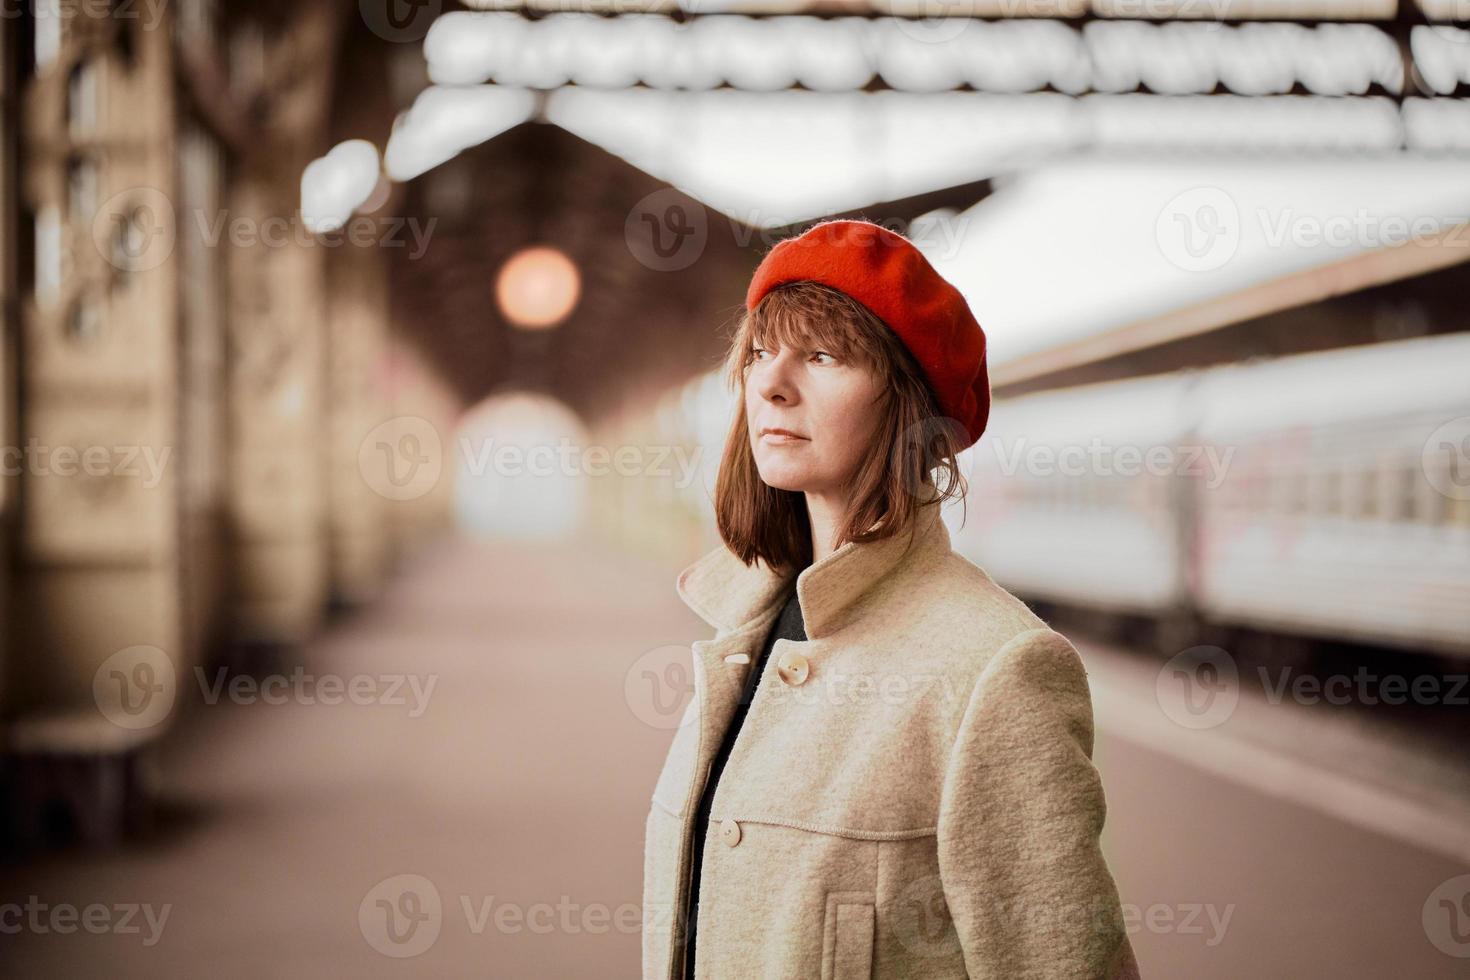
(276, 486)
(359, 540)
(97, 574)
(98, 654)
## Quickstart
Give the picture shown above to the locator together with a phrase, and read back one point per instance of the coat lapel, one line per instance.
(742, 601)
(730, 595)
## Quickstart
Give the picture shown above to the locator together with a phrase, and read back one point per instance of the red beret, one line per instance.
(889, 275)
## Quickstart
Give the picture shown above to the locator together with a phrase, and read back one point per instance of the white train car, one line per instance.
(1345, 510)
(1072, 495)
(1323, 494)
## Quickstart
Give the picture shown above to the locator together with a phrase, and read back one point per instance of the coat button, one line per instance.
(793, 668)
(730, 832)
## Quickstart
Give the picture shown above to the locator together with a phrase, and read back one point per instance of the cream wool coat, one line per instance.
(912, 793)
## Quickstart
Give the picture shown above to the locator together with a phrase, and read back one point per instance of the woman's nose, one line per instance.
(777, 380)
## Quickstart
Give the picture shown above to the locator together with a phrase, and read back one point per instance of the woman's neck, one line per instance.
(824, 510)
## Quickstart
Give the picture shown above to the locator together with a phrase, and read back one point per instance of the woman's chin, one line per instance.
(785, 478)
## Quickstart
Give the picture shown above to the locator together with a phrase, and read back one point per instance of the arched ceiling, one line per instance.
(634, 328)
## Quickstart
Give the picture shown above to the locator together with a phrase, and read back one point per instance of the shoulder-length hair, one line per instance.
(914, 453)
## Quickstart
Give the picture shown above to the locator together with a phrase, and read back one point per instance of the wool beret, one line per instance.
(888, 274)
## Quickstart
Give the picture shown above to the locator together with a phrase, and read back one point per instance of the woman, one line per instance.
(885, 771)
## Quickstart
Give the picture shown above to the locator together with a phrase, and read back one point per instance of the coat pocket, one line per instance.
(847, 950)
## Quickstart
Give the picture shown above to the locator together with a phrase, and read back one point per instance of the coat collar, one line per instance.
(728, 594)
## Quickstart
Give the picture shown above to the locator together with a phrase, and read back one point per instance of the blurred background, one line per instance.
(359, 407)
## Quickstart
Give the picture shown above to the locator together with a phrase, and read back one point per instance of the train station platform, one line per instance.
(507, 774)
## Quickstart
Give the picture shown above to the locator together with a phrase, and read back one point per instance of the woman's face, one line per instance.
(831, 406)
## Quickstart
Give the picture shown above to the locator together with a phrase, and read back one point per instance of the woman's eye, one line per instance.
(756, 352)
(822, 353)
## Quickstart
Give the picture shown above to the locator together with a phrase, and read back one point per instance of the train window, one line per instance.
(1332, 492)
(1431, 500)
(1454, 502)
(1367, 491)
(1458, 510)
(1402, 499)
(1277, 488)
(1376, 489)
(1278, 497)
(1409, 498)
(1314, 490)
(1387, 491)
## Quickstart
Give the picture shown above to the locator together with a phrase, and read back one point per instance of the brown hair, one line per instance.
(758, 521)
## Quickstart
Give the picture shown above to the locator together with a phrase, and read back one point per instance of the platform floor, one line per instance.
(525, 785)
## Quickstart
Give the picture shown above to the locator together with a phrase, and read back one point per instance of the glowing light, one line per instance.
(537, 287)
